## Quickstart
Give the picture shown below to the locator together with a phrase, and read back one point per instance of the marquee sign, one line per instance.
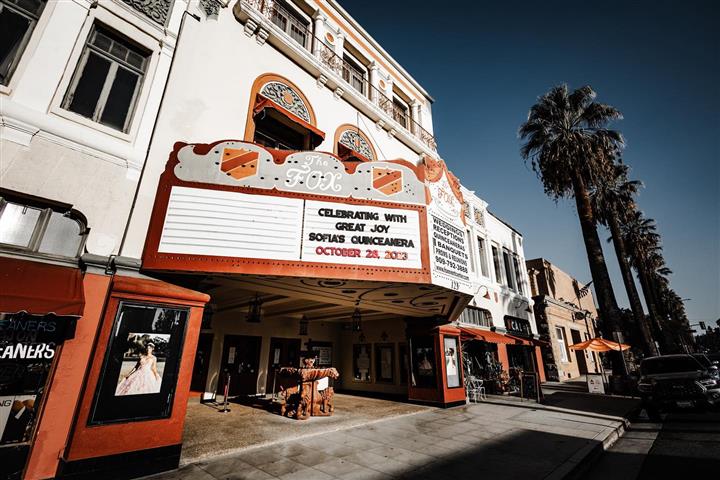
(236, 207)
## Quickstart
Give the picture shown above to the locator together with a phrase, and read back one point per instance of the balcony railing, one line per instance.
(357, 80)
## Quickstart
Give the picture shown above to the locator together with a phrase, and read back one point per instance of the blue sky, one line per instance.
(485, 63)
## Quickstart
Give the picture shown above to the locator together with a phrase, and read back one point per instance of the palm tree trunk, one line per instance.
(598, 269)
(651, 303)
(630, 287)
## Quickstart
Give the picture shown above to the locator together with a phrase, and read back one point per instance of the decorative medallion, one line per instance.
(156, 10)
(329, 37)
(387, 180)
(287, 98)
(382, 84)
(354, 141)
(239, 163)
(479, 217)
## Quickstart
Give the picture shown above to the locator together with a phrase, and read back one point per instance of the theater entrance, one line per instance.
(284, 352)
(240, 364)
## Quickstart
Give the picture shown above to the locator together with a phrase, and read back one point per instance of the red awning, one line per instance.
(467, 333)
(40, 288)
(349, 154)
(264, 104)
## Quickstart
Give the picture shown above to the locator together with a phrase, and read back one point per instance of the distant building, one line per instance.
(565, 312)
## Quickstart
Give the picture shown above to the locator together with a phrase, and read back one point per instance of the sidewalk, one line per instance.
(502, 439)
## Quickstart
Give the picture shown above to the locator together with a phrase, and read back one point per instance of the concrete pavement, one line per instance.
(494, 440)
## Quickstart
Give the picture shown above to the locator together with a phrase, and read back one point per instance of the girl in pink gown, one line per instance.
(143, 378)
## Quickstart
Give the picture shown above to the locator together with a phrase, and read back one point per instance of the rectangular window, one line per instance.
(482, 251)
(354, 74)
(107, 81)
(17, 22)
(508, 270)
(476, 316)
(401, 112)
(518, 275)
(496, 264)
(469, 244)
(562, 346)
(290, 23)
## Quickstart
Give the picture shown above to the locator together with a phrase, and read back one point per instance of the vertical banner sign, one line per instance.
(448, 241)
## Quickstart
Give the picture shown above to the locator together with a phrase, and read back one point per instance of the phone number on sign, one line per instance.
(356, 252)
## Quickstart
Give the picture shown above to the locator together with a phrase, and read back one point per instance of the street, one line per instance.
(686, 442)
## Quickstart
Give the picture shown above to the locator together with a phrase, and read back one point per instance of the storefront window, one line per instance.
(361, 362)
(384, 362)
(139, 375)
(423, 362)
(27, 351)
(452, 362)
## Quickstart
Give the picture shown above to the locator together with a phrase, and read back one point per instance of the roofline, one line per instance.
(376, 45)
(505, 223)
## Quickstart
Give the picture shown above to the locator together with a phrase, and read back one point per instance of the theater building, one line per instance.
(202, 192)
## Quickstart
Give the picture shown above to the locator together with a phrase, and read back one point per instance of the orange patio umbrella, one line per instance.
(599, 345)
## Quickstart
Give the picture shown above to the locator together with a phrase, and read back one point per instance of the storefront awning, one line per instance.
(40, 288)
(267, 106)
(520, 340)
(348, 154)
(468, 333)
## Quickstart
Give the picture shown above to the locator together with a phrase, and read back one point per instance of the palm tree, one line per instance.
(643, 245)
(612, 199)
(564, 135)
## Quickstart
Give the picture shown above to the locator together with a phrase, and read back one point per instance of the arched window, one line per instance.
(352, 145)
(32, 225)
(280, 116)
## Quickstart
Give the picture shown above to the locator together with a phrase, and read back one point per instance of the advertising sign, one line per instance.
(219, 223)
(361, 235)
(448, 254)
(595, 384)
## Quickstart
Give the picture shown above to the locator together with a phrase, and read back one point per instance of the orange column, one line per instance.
(503, 356)
(540, 365)
(63, 392)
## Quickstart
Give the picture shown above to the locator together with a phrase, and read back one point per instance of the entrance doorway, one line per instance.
(579, 354)
(241, 359)
(202, 363)
(284, 352)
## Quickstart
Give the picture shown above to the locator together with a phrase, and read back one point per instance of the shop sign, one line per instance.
(233, 224)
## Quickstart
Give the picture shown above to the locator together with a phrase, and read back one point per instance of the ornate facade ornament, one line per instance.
(479, 216)
(287, 98)
(157, 10)
(355, 141)
(210, 7)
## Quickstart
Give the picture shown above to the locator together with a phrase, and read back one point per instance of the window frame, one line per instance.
(46, 211)
(497, 263)
(507, 267)
(519, 278)
(86, 50)
(560, 335)
(19, 54)
(354, 64)
(482, 253)
(291, 17)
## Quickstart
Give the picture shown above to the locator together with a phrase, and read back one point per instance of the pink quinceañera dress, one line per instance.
(142, 380)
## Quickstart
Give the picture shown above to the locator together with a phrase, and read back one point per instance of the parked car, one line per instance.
(678, 381)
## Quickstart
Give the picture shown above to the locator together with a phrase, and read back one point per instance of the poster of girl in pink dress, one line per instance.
(143, 364)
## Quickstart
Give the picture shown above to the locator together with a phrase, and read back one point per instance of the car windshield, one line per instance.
(703, 359)
(653, 366)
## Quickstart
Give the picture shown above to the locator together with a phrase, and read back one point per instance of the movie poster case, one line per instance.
(140, 371)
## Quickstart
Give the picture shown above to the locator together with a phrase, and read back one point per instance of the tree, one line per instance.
(565, 135)
(612, 199)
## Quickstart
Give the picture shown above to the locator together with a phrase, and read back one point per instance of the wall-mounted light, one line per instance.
(303, 326)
